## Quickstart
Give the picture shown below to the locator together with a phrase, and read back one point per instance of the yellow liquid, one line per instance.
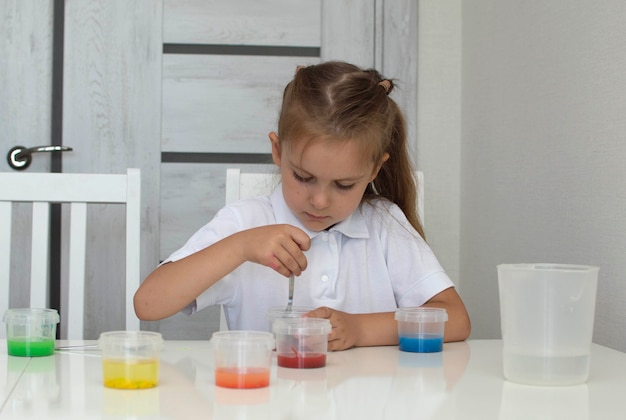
(133, 374)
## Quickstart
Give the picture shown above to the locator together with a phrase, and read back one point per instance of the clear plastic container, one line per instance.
(130, 359)
(547, 315)
(420, 330)
(242, 358)
(31, 332)
(301, 342)
(276, 312)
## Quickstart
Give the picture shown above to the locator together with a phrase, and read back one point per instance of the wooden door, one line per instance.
(181, 89)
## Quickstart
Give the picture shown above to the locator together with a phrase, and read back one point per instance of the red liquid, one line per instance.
(302, 360)
(242, 378)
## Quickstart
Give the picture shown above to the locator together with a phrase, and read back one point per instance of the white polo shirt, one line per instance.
(374, 261)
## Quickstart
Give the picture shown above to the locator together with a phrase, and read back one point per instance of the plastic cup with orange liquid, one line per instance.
(242, 358)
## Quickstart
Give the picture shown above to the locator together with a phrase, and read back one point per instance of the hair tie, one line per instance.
(386, 84)
(298, 68)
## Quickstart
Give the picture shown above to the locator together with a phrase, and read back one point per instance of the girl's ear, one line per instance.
(380, 165)
(275, 148)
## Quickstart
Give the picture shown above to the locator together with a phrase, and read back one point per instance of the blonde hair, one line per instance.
(341, 102)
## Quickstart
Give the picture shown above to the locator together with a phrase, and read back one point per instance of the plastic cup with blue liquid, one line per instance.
(420, 330)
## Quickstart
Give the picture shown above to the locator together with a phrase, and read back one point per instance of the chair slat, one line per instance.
(64, 187)
(232, 184)
(133, 245)
(6, 210)
(76, 292)
(39, 256)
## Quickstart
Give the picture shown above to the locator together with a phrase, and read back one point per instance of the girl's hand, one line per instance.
(344, 333)
(276, 246)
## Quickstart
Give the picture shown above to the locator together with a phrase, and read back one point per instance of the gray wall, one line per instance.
(540, 141)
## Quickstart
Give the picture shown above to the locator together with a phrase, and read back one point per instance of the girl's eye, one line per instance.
(306, 180)
(301, 178)
(344, 187)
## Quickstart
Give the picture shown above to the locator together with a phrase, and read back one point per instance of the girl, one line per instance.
(343, 219)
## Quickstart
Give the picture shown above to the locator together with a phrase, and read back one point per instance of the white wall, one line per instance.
(542, 145)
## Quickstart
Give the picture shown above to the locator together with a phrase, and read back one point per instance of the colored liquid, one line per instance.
(132, 374)
(302, 360)
(242, 377)
(421, 344)
(30, 346)
(538, 370)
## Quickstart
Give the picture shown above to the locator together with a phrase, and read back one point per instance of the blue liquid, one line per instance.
(422, 343)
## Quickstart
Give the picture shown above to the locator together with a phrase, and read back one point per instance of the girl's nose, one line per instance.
(319, 198)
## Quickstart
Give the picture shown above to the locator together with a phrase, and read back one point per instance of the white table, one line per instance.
(463, 382)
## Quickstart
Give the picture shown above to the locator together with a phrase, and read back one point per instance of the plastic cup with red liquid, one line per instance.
(301, 343)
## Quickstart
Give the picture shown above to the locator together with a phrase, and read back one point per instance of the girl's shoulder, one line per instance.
(384, 217)
(381, 208)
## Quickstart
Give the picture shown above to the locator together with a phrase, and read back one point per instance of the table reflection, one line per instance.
(184, 390)
(300, 391)
(11, 369)
(242, 403)
(548, 402)
(136, 403)
(38, 386)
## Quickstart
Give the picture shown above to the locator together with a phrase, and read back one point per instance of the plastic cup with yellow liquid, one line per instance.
(130, 359)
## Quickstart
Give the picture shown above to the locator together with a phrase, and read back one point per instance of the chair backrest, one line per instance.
(41, 189)
(247, 184)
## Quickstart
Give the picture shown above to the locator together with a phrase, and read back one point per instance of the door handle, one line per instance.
(20, 157)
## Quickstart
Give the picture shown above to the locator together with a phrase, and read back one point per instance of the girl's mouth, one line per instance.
(315, 218)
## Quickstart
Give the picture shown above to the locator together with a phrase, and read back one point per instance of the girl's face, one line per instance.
(323, 182)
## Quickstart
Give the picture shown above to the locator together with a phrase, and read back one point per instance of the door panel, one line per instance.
(26, 82)
(25, 101)
(223, 103)
(111, 118)
(242, 22)
(349, 31)
(398, 31)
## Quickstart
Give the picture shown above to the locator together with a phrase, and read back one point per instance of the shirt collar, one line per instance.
(353, 226)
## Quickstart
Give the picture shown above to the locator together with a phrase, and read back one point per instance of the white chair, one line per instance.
(41, 189)
(247, 184)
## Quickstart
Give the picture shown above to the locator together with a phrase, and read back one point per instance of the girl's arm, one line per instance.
(172, 286)
(458, 326)
(380, 329)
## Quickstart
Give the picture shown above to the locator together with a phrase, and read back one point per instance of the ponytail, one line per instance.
(396, 179)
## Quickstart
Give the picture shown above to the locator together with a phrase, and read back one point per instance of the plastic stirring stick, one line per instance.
(290, 301)
(77, 347)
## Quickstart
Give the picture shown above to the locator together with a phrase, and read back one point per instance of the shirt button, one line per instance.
(325, 237)
(324, 278)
